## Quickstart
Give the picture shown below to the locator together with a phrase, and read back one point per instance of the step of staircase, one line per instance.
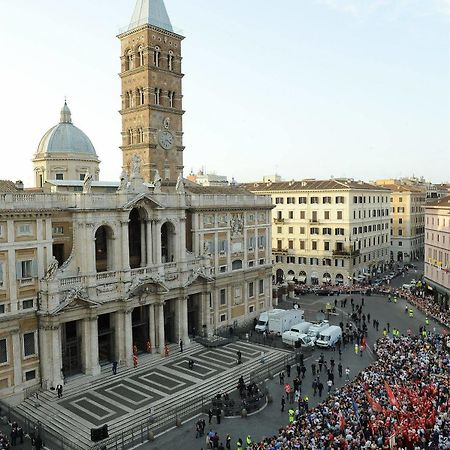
(77, 430)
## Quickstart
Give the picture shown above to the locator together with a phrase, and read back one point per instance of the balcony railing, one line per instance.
(279, 251)
(346, 253)
(316, 221)
(278, 220)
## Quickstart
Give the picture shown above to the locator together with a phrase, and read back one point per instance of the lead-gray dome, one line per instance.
(66, 137)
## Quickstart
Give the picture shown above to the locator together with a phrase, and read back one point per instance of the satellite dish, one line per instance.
(295, 305)
(320, 316)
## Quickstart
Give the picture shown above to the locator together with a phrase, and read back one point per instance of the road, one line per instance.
(270, 419)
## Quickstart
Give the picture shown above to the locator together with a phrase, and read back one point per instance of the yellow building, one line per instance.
(407, 220)
(437, 248)
(327, 231)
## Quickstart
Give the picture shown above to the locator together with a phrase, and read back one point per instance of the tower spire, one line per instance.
(152, 12)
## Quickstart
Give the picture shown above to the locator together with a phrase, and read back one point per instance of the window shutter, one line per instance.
(18, 270)
(34, 271)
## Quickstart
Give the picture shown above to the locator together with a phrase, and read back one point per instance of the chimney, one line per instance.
(19, 185)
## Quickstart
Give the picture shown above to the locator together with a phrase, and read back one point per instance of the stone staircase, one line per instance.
(76, 430)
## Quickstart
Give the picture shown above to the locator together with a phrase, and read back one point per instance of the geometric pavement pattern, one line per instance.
(120, 397)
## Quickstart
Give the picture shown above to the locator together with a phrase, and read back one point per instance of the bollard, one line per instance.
(270, 375)
(151, 436)
(243, 413)
(269, 398)
(178, 422)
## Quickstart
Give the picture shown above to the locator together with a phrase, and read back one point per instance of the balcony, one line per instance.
(346, 253)
(314, 221)
(280, 251)
(114, 285)
(278, 221)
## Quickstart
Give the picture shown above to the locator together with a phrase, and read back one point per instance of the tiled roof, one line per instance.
(7, 186)
(443, 202)
(193, 188)
(311, 185)
(403, 188)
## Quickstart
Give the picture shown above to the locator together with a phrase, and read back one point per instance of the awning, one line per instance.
(290, 277)
(302, 278)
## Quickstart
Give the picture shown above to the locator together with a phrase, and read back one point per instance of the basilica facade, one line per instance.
(92, 271)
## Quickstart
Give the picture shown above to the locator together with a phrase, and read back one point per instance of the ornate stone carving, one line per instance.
(106, 288)
(51, 269)
(87, 183)
(123, 182)
(180, 184)
(157, 182)
(237, 224)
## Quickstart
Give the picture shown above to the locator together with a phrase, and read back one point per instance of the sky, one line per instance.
(301, 88)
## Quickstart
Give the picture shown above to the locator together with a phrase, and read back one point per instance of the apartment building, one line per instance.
(407, 221)
(327, 231)
(437, 248)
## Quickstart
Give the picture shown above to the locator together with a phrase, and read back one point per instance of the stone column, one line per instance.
(128, 337)
(256, 246)
(161, 337)
(119, 333)
(149, 240)
(56, 356)
(182, 239)
(206, 311)
(17, 358)
(90, 340)
(152, 325)
(157, 242)
(41, 261)
(230, 250)
(125, 248)
(143, 246)
(183, 311)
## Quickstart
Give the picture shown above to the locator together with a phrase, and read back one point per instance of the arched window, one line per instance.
(140, 135)
(141, 96)
(129, 60)
(141, 55)
(168, 238)
(104, 249)
(130, 136)
(157, 96)
(171, 96)
(170, 60)
(236, 265)
(156, 56)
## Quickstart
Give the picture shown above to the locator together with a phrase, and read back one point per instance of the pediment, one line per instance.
(76, 299)
(199, 275)
(143, 199)
(148, 285)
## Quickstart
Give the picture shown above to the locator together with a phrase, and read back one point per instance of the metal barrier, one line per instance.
(34, 428)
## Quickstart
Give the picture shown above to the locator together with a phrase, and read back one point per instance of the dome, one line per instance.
(66, 138)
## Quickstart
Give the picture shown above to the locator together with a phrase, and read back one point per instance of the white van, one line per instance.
(329, 337)
(291, 337)
(316, 328)
(263, 320)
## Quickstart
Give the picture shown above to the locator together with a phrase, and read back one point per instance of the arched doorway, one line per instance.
(104, 249)
(140, 326)
(167, 242)
(134, 239)
(302, 278)
(339, 278)
(315, 278)
(280, 276)
(326, 279)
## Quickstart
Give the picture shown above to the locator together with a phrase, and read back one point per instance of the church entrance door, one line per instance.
(71, 349)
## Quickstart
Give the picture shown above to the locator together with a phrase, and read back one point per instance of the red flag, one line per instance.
(341, 421)
(373, 404)
(392, 400)
(364, 342)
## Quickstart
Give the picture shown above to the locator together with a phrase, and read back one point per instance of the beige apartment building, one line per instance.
(407, 220)
(90, 270)
(327, 231)
(437, 248)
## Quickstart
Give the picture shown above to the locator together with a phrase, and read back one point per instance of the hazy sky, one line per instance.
(304, 88)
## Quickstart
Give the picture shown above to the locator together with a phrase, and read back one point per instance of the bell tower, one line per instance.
(151, 77)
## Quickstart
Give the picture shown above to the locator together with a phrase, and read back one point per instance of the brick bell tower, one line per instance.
(151, 93)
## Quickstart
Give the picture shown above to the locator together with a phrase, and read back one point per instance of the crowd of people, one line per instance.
(399, 402)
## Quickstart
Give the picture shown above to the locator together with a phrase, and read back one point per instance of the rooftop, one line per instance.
(151, 12)
(443, 202)
(312, 185)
